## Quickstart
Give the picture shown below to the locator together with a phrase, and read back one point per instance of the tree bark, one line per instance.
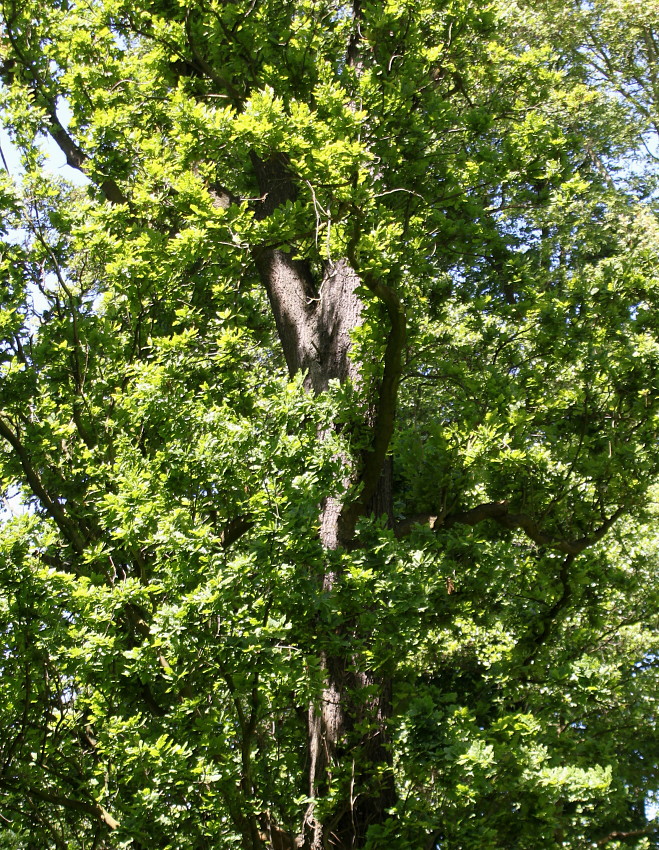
(315, 318)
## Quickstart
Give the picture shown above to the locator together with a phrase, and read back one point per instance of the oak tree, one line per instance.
(330, 392)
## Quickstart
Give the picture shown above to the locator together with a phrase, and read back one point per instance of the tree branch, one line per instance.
(75, 157)
(49, 504)
(500, 513)
(314, 325)
(385, 414)
(550, 616)
(618, 835)
(95, 810)
(352, 53)
(206, 69)
(234, 529)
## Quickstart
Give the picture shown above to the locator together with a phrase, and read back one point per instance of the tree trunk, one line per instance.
(314, 320)
(336, 738)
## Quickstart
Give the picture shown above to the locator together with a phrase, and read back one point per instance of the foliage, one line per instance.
(168, 603)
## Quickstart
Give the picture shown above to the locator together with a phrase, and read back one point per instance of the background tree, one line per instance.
(333, 396)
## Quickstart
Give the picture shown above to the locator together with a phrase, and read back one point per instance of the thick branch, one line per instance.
(385, 413)
(50, 505)
(94, 810)
(315, 320)
(234, 529)
(75, 157)
(314, 317)
(287, 281)
(352, 53)
(621, 836)
(549, 618)
(500, 513)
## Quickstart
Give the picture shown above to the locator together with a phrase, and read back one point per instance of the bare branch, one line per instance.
(619, 835)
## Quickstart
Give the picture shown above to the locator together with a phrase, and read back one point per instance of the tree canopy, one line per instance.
(331, 400)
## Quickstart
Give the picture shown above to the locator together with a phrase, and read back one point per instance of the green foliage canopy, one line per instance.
(173, 610)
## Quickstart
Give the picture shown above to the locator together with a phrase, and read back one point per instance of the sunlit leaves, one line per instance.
(163, 611)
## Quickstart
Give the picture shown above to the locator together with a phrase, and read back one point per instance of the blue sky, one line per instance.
(55, 162)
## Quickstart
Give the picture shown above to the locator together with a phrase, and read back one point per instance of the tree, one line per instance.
(332, 398)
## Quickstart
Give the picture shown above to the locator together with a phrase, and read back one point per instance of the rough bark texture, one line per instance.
(314, 326)
(315, 318)
(315, 315)
(336, 737)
